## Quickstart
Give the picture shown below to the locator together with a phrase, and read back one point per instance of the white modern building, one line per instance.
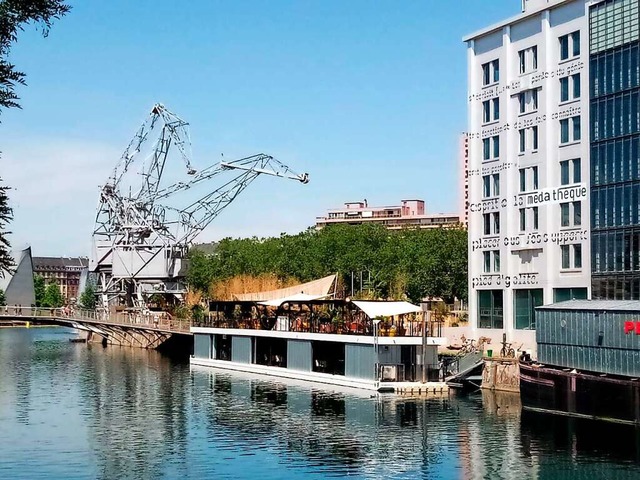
(529, 191)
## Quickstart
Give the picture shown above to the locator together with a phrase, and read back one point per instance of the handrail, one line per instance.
(149, 320)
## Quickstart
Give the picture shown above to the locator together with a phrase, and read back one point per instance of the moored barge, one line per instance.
(588, 361)
(374, 345)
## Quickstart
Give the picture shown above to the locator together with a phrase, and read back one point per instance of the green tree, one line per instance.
(88, 297)
(52, 296)
(39, 288)
(6, 215)
(14, 16)
(3, 298)
(404, 264)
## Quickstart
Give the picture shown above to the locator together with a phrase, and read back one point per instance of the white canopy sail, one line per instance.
(386, 309)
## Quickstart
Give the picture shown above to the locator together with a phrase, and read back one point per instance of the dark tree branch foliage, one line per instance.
(6, 215)
(14, 16)
(409, 264)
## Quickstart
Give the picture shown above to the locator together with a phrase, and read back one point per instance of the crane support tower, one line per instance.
(142, 232)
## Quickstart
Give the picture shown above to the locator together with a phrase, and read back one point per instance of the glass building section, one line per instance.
(615, 148)
(490, 309)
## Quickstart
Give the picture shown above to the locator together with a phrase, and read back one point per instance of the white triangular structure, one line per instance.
(298, 297)
(386, 309)
(323, 287)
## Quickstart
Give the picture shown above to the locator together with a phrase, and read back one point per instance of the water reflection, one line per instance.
(78, 411)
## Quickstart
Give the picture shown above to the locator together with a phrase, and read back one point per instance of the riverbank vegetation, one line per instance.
(379, 263)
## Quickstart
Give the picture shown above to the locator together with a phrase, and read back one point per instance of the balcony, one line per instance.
(332, 317)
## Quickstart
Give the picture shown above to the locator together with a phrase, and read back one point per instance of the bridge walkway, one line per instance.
(146, 331)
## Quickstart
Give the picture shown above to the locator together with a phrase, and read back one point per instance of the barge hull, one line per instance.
(580, 394)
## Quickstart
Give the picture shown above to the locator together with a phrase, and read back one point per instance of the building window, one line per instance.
(533, 215)
(570, 171)
(490, 73)
(577, 255)
(528, 139)
(486, 111)
(575, 81)
(490, 309)
(491, 223)
(575, 43)
(528, 59)
(490, 110)
(569, 219)
(577, 213)
(525, 303)
(564, 294)
(564, 216)
(486, 186)
(564, 90)
(491, 261)
(571, 256)
(496, 184)
(570, 129)
(576, 128)
(528, 101)
(529, 179)
(570, 45)
(564, 253)
(496, 145)
(491, 185)
(491, 148)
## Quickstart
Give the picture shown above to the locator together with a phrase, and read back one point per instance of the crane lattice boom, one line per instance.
(141, 235)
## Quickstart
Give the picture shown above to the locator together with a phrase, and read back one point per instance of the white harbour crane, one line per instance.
(142, 234)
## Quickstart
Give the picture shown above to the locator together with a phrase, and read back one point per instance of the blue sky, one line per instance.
(369, 97)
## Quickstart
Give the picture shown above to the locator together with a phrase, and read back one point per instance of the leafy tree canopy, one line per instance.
(88, 297)
(6, 215)
(14, 16)
(410, 264)
(3, 298)
(39, 287)
(52, 296)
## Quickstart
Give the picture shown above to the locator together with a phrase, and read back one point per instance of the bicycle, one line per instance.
(468, 347)
(507, 351)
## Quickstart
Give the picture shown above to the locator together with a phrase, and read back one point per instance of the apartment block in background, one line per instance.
(410, 213)
(67, 272)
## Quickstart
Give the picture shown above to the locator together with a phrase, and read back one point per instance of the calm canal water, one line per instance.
(72, 410)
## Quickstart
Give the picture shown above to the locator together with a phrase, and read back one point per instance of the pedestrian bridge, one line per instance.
(134, 330)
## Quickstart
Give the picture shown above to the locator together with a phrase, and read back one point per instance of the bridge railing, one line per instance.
(156, 320)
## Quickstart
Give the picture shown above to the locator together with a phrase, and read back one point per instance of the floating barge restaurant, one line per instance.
(363, 344)
(588, 361)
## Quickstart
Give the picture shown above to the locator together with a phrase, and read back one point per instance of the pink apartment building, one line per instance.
(410, 213)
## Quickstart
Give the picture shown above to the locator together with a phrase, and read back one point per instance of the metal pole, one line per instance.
(375, 347)
(424, 345)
